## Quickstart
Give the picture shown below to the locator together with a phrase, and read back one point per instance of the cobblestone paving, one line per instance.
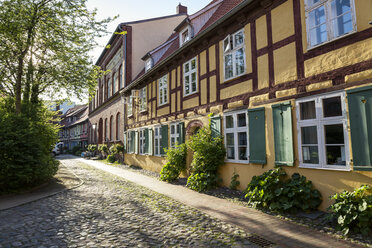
(107, 211)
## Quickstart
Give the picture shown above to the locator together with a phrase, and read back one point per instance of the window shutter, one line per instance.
(146, 141)
(136, 142)
(360, 112)
(150, 150)
(283, 136)
(257, 137)
(216, 126)
(181, 137)
(132, 143)
(125, 142)
(164, 139)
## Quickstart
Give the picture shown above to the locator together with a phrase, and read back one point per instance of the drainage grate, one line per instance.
(261, 242)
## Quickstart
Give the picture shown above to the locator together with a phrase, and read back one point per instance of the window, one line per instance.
(163, 90)
(142, 141)
(109, 89)
(157, 139)
(129, 106)
(190, 77)
(142, 99)
(111, 127)
(322, 132)
(115, 82)
(120, 77)
(130, 144)
(148, 64)
(328, 19)
(174, 134)
(117, 126)
(236, 136)
(234, 55)
(185, 35)
(106, 130)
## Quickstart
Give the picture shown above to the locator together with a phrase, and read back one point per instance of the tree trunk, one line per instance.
(18, 86)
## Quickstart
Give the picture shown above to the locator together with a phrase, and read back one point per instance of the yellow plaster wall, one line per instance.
(363, 10)
(147, 162)
(348, 55)
(236, 90)
(248, 53)
(285, 66)
(212, 58)
(154, 88)
(213, 89)
(203, 62)
(178, 76)
(191, 103)
(318, 86)
(178, 100)
(279, 30)
(222, 77)
(173, 102)
(358, 76)
(173, 81)
(203, 91)
(263, 71)
(163, 111)
(261, 32)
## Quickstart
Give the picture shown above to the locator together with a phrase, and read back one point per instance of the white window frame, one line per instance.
(174, 135)
(129, 106)
(157, 138)
(186, 29)
(148, 64)
(330, 31)
(143, 99)
(142, 141)
(189, 74)
(129, 142)
(163, 90)
(231, 49)
(235, 130)
(320, 122)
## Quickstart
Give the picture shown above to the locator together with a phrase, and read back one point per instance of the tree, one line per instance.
(44, 48)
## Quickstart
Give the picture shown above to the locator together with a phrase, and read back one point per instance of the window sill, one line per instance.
(237, 161)
(144, 112)
(324, 168)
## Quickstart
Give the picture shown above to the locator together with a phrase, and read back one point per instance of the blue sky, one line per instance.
(132, 10)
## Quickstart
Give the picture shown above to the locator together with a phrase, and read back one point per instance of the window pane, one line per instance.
(239, 61)
(334, 134)
(242, 120)
(307, 110)
(242, 138)
(187, 67)
(172, 129)
(317, 26)
(335, 155)
(193, 64)
(229, 121)
(342, 25)
(243, 153)
(318, 35)
(317, 17)
(187, 85)
(239, 38)
(310, 154)
(228, 66)
(230, 145)
(193, 80)
(226, 44)
(332, 106)
(309, 135)
(178, 129)
(156, 131)
(339, 7)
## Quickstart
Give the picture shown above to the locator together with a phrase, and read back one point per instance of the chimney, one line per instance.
(181, 9)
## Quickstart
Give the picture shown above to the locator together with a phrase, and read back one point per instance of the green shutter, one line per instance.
(151, 142)
(283, 136)
(216, 126)
(181, 137)
(257, 137)
(360, 112)
(125, 142)
(132, 141)
(164, 139)
(136, 136)
(147, 141)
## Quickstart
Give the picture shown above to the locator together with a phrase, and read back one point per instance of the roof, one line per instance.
(200, 21)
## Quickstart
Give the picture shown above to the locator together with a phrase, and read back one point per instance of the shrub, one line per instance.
(92, 148)
(76, 150)
(176, 163)
(111, 158)
(116, 149)
(271, 190)
(209, 155)
(234, 181)
(26, 142)
(103, 149)
(353, 211)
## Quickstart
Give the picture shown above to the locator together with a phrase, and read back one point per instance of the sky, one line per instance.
(133, 10)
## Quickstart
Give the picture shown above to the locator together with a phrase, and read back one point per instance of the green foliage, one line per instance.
(76, 150)
(271, 190)
(116, 149)
(353, 211)
(208, 156)
(176, 163)
(111, 158)
(234, 181)
(92, 148)
(26, 142)
(103, 149)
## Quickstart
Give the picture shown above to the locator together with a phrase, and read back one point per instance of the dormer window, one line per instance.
(185, 35)
(148, 64)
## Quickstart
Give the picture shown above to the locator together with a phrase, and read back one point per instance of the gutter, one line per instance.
(187, 45)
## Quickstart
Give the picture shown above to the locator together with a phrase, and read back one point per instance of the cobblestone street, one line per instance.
(107, 211)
